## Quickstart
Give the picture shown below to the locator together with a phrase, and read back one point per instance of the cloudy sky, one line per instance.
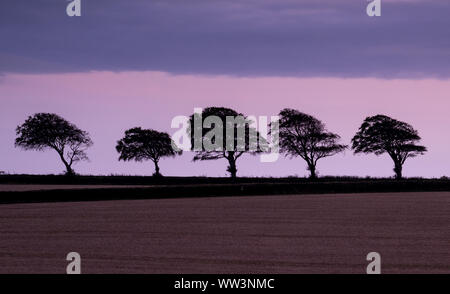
(140, 63)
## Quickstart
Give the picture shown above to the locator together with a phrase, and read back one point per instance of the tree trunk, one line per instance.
(232, 167)
(69, 170)
(398, 171)
(157, 173)
(312, 170)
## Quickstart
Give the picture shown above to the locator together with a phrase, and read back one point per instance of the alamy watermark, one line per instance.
(74, 266)
(232, 134)
(74, 8)
(374, 267)
(374, 8)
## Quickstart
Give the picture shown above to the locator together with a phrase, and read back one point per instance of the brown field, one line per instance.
(258, 234)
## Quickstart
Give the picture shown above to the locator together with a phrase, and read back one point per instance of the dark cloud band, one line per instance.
(234, 37)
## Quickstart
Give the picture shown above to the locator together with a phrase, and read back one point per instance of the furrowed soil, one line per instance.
(259, 234)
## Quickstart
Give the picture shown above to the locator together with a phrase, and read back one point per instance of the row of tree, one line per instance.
(300, 135)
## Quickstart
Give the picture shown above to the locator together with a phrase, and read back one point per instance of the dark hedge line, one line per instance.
(228, 189)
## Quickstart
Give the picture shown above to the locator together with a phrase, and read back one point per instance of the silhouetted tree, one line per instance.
(381, 134)
(48, 130)
(305, 136)
(211, 127)
(140, 144)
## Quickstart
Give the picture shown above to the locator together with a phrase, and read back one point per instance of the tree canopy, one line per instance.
(382, 134)
(220, 132)
(48, 130)
(305, 136)
(140, 144)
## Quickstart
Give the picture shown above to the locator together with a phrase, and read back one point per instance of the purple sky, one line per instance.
(126, 64)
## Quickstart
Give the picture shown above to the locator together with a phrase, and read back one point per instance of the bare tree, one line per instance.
(48, 130)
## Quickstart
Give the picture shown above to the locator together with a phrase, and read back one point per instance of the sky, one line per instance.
(141, 63)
